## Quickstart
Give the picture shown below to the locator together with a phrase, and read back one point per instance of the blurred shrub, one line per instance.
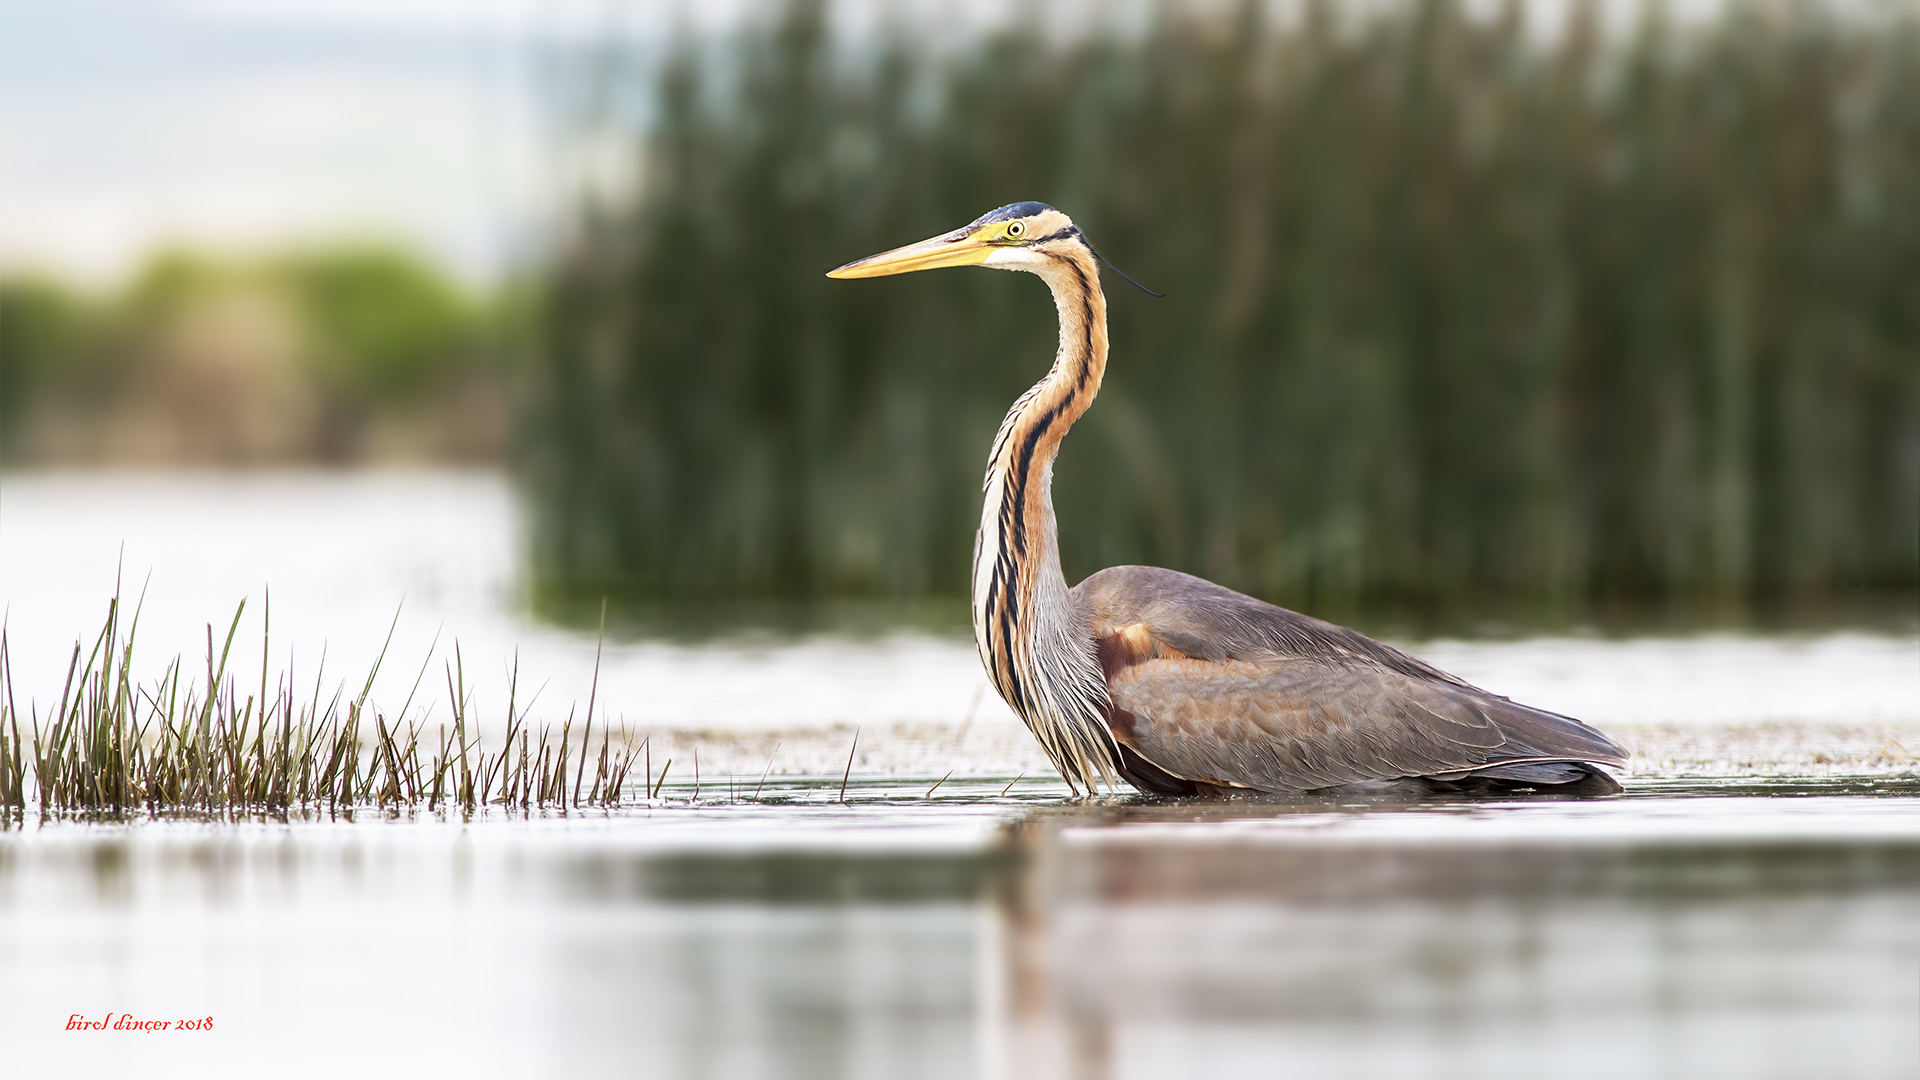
(384, 327)
(1454, 308)
(345, 353)
(41, 325)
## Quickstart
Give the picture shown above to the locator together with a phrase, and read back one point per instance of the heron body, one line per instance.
(1172, 683)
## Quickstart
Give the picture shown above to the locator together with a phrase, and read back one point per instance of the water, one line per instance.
(1696, 930)
(339, 553)
(1742, 935)
(1751, 907)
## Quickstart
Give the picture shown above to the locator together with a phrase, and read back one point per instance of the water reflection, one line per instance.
(1687, 929)
(1317, 946)
(745, 989)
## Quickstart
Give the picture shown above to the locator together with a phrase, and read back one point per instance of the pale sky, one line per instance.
(126, 125)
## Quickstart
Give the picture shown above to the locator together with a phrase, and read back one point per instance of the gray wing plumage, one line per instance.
(1216, 687)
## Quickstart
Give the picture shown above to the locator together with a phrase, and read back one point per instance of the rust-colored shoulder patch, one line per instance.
(1125, 646)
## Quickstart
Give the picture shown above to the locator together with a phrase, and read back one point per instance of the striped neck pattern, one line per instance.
(1037, 653)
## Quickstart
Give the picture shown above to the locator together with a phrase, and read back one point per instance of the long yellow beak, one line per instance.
(957, 248)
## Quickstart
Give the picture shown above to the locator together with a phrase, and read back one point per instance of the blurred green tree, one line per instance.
(339, 353)
(41, 325)
(383, 327)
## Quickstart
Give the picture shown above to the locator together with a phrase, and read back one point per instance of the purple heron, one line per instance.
(1175, 684)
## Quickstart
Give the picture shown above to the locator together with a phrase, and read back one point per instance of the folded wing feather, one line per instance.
(1215, 686)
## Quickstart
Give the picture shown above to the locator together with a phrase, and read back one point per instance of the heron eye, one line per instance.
(1016, 228)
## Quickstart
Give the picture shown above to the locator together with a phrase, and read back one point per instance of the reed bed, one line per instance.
(1457, 308)
(202, 741)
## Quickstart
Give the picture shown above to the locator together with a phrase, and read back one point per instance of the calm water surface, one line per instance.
(337, 554)
(1685, 930)
(1694, 927)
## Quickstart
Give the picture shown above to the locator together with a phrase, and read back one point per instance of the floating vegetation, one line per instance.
(203, 742)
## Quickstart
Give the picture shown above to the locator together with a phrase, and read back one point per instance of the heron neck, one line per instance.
(1038, 657)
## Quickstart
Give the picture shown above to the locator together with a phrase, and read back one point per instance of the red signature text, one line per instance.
(129, 1022)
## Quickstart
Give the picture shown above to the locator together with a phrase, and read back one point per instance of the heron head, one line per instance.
(1018, 236)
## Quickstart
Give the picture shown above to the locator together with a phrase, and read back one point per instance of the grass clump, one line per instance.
(201, 742)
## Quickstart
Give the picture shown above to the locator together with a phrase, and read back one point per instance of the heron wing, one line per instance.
(1214, 686)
